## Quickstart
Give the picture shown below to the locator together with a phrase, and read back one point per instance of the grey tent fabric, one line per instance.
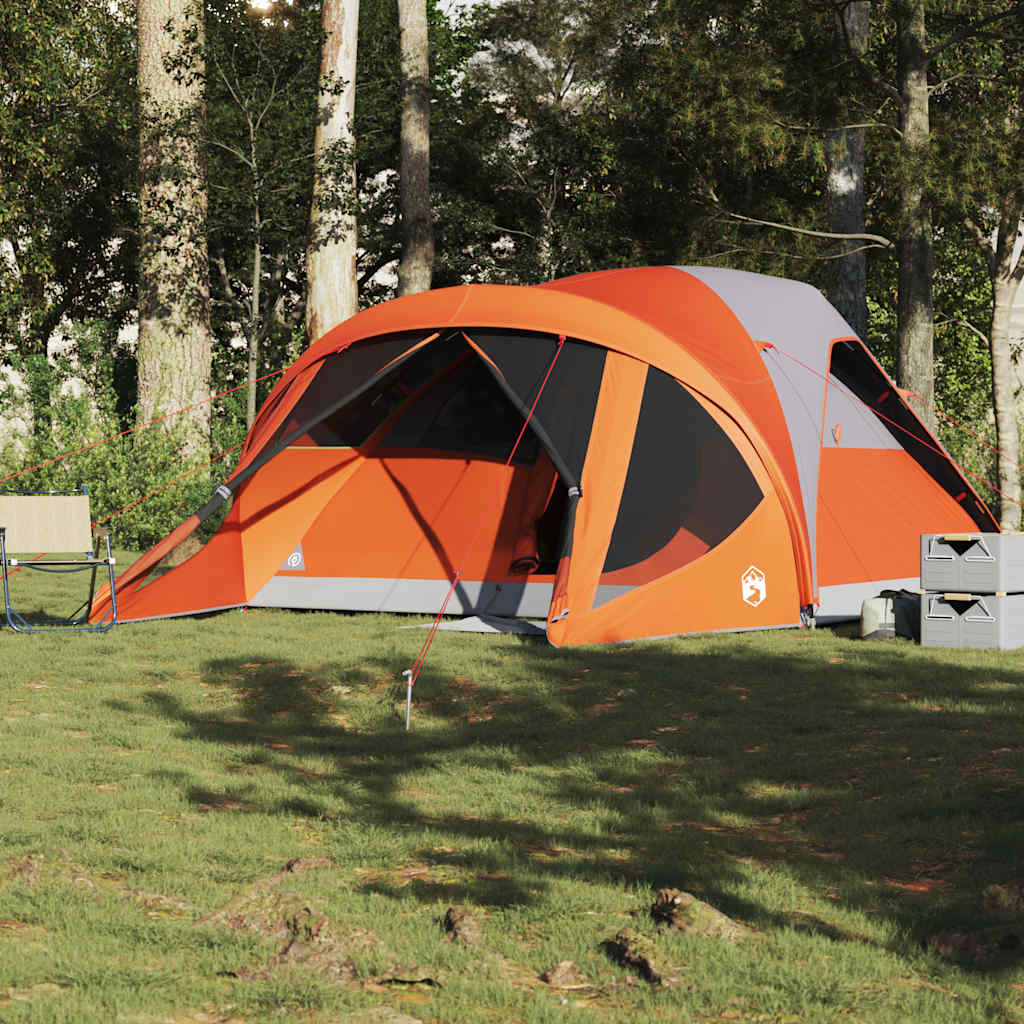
(797, 319)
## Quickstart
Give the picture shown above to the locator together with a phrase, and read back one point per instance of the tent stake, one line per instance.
(408, 697)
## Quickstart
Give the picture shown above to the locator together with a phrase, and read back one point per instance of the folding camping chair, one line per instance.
(53, 521)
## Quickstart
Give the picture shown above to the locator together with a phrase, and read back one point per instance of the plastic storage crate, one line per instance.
(975, 563)
(972, 620)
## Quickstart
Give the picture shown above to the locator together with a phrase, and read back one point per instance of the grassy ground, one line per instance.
(845, 800)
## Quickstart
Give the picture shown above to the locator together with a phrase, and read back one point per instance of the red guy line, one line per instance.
(141, 426)
(422, 656)
(931, 447)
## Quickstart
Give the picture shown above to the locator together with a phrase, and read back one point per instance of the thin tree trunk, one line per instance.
(915, 315)
(1004, 401)
(331, 288)
(845, 164)
(253, 362)
(417, 264)
(175, 339)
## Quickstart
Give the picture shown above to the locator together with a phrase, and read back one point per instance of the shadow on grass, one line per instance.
(879, 776)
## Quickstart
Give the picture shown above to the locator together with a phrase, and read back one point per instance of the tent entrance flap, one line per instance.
(434, 437)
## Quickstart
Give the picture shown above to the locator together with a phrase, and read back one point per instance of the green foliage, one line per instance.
(67, 159)
(262, 73)
(120, 471)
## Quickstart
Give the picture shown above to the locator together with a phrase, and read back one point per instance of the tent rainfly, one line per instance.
(707, 450)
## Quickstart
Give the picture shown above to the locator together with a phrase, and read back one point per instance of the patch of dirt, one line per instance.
(463, 926)
(25, 870)
(158, 905)
(264, 909)
(310, 940)
(566, 975)
(630, 949)
(316, 944)
(26, 995)
(683, 912)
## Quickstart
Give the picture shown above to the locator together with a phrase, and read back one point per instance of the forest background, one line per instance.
(873, 149)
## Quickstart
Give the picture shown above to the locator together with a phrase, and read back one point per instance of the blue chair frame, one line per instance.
(92, 561)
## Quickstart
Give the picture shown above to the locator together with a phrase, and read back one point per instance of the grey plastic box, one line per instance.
(972, 620)
(974, 563)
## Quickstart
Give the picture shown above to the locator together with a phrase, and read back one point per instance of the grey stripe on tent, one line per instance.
(380, 594)
(530, 600)
(841, 602)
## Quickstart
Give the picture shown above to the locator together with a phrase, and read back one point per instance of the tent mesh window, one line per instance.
(463, 412)
(687, 488)
(856, 371)
(345, 372)
(564, 415)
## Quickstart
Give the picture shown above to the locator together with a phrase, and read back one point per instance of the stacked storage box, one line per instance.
(972, 590)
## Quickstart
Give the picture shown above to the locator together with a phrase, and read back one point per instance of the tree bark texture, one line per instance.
(417, 264)
(914, 308)
(331, 288)
(1006, 265)
(175, 340)
(844, 150)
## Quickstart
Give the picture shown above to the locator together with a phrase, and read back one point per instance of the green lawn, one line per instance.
(844, 800)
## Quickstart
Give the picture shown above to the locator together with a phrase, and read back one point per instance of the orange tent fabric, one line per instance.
(704, 450)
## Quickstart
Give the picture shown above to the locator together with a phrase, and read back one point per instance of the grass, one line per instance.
(844, 799)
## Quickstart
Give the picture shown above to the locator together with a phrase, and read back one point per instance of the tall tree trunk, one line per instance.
(915, 315)
(844, 148)
(331, 288)
(417, 264)
(1004, 253)
(175, 340)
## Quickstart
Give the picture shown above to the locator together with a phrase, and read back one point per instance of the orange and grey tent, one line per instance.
(704, 449)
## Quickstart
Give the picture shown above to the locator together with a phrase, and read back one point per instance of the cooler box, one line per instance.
(974, 563)
(972, 620)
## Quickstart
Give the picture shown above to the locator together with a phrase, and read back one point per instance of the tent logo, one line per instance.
(295, 562)
(755, 586)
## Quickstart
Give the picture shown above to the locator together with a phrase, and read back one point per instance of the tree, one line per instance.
(67, 189)
(417, 264)
(980, 110)
(175, 341)
(261, 100)
(844, 153)
(331, 285)
(550, 168)
(908, 87)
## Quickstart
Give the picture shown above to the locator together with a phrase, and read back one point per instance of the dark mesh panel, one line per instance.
(684, 472)
(465, 412)
(858, 374)
(345, 372)
(565, 413)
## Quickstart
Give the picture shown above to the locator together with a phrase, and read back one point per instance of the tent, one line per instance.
(704, 449)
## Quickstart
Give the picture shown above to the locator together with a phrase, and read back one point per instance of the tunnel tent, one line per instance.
(703, 450)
